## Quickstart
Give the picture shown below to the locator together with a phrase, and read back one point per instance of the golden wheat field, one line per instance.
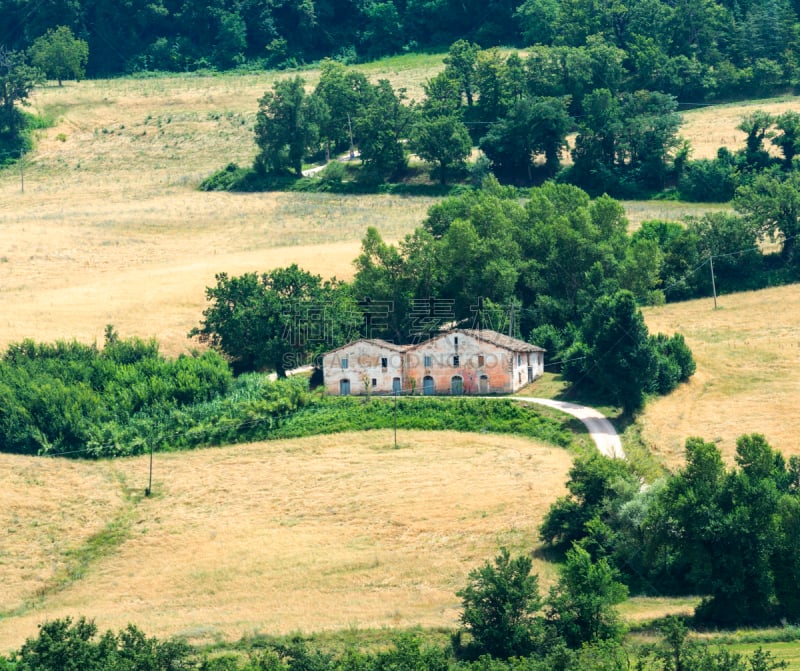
(712, 127)
(110, 228)
(748, 373)
(330, 532)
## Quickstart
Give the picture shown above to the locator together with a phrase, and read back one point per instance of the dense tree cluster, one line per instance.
(754, 169)
(689, 49)
(729, 534)
(277, 320)
(517, 111)
(555, 267)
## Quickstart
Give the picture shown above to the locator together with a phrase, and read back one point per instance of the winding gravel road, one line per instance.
(603, 433)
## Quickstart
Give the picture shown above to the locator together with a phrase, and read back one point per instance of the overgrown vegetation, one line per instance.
(70, 397)
(80, 401)
(17, 80)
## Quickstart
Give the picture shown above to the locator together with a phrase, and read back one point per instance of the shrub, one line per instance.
(709, 181)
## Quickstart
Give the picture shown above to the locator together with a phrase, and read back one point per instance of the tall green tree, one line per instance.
(460, 65)
(771, 205)
(442, 96)
(625, 141)
(277, 320)
(721, 533)
(619, 360)
(500, 603)
(287, 127)
(345, 93)
(60, 55)
(531, 129)
(382, 128)
(386, 287)
(594, 481)
(787, 137)
(757, 128)
(17, 81)
(492, 85)
(581, 606)
(442, 141)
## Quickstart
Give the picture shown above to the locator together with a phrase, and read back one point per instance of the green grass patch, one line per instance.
(428, 63)
(337, 414)
(789, 652)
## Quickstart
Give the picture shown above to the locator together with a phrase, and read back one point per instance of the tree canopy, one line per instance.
(729, 534)
(277, 320)
(60, 55)
(17, 81)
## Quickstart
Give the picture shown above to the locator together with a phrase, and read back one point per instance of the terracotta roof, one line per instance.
(501, 340)
(377, 342)
(387, 344)
(493, 337)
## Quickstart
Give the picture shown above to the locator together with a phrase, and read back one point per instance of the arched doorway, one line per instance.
(483, 384)
(427, 386)
(344, 387)
(456, 385)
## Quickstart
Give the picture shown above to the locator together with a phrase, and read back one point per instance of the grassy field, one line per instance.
(748, 373)
(110, 227)
(324, 533)
(709, 128)
(280, 537)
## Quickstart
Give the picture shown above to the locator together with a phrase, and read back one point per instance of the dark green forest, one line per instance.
(526, 112)
(692, 48)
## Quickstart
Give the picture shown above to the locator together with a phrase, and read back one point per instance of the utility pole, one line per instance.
(22, 170)
(150, 482)
(511, 320)
(350, 128)
(395, 418)
(713, 283)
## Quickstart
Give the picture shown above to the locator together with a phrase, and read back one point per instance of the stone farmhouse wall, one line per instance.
(365, 366)
(457, 362)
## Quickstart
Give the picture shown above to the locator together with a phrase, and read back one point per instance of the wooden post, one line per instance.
(149, 489)
(713, 283)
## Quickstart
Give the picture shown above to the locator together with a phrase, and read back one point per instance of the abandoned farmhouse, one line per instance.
(462, 361)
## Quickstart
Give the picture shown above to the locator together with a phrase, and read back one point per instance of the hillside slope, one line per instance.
(748, 372)
(330, 532)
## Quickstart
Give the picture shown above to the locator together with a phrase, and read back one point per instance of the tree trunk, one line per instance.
(789, 249)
